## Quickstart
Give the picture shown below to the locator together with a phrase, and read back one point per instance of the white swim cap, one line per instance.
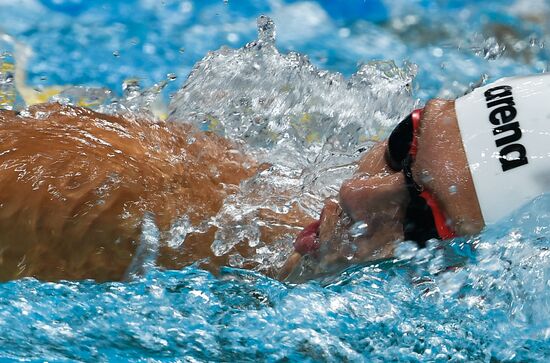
(505, 128)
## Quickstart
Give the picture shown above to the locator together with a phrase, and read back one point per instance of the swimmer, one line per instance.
(77, 187)
(445, 171)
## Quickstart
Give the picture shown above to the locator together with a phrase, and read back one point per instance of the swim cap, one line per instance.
(505, 129)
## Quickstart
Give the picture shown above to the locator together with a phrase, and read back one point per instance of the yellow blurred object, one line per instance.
(7, 67)
(306, 118)
(312, 137)
(7, 90)
(213, 123)
(89, 103)
(161, 115)
(29, 95)
(16, 85)
(32, 96)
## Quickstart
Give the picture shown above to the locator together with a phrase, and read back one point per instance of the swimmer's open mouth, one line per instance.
(308, 239)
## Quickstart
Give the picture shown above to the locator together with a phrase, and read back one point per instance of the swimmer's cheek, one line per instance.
(374, 161)
(442, 168)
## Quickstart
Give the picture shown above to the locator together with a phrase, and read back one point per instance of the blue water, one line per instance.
(451, 302)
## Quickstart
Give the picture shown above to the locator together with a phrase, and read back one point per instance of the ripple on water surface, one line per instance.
(434, 304)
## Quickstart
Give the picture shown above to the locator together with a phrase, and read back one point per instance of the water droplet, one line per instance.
(179, 231)
(147, 251)
(182, 50)
(171, 76)
(453, 189)
(116, 53)
(426, 177)
(437, 52)
(131, 87)
(236, 260)
(186, 7)
(344, 32)
(149, 48)
(490, 49)
(477, 84)
(232, 37)
(406, 250)
(358, 229)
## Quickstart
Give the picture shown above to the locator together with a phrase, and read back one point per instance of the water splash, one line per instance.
(310, 124)
(489, 49)
(276, 189)
(284, 108)
(146, 254)
(90, 97)
(138, 102)
(266, 30)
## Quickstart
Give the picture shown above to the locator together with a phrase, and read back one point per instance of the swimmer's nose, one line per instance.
(364, 197)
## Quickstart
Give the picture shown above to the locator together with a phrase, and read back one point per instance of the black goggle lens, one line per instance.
(419, 224)
(399, 143)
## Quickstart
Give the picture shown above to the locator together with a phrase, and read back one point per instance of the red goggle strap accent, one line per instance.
(440, 220)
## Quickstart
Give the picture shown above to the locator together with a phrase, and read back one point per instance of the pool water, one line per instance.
(307, 96)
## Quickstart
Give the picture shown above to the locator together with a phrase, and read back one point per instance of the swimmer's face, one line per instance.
(371, 207)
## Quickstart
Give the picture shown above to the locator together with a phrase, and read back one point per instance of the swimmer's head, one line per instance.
(396, 194)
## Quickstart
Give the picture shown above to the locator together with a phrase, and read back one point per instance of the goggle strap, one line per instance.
(440, 221)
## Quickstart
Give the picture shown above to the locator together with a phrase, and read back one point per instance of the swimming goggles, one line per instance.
(424, 219)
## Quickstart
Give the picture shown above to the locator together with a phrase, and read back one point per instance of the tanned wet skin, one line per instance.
(76, 185)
